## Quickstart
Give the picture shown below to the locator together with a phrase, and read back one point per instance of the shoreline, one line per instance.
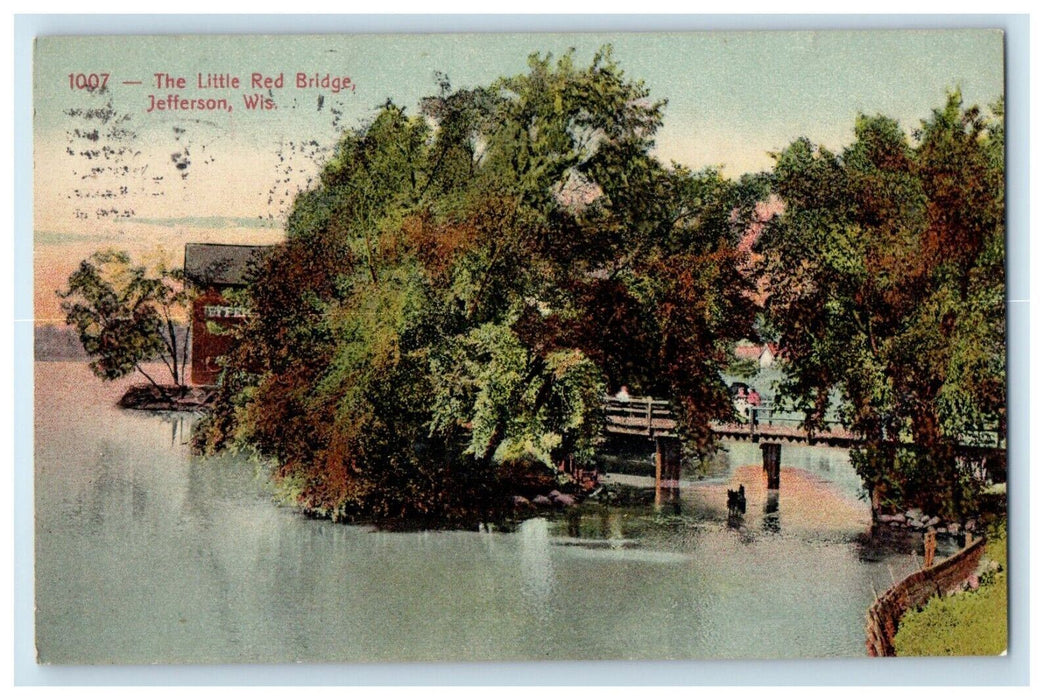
(167, 397)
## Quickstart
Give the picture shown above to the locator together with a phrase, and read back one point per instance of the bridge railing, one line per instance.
(771, 415)
(646, 415)
(652, 417)
(640, 416)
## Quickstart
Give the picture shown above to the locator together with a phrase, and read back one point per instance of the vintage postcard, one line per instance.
(519, 347)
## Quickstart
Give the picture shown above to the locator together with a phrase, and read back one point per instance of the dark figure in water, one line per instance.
(735, 501)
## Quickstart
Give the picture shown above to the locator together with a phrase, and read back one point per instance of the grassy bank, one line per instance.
(973, 623)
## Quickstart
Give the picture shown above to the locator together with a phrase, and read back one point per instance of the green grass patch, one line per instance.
(973, 623)
(996, 489)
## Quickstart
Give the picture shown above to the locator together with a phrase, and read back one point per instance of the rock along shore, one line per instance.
(914, 519)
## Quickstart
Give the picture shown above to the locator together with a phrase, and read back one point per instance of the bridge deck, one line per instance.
(770, 432)
(652, 418)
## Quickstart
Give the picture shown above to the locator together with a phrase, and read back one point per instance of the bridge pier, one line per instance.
(668, 460)
(772, 464)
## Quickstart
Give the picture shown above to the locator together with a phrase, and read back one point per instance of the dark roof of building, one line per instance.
(219, 263)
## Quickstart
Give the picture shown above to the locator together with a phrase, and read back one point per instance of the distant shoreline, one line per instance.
(59, 343)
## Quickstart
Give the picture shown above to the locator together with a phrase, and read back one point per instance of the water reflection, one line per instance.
(772, 513)
(178, 422)
(146, 553)
(667, 495)
(612, 529)
(573, 522)
(536, 567)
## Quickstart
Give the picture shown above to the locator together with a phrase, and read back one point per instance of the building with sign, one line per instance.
(218, 271)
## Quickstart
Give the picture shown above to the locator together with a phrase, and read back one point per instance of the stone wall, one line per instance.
(913, 591)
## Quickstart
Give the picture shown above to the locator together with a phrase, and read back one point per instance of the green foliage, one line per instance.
(933, 479)
(464, 285)
(125, 315)
(886, 280)
(972, 623)
(486, 378)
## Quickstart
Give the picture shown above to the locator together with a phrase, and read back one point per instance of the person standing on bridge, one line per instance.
(623, 394)
(754, 398)
(741, 403)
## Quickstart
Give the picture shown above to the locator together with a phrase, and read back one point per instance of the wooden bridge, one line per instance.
(646, 417)
(655, 418)
(763, 423)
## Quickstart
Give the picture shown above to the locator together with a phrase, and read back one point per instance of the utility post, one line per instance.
(930, 543)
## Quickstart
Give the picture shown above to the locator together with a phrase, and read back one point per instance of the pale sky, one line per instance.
(157, 180)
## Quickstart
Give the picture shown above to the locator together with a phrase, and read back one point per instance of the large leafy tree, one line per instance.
(465, 284)
(886, 281)
(126, 315)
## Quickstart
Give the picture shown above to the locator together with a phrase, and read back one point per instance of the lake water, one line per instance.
(145, 553)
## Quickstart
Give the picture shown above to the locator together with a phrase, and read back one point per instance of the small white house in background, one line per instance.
(765, 354)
